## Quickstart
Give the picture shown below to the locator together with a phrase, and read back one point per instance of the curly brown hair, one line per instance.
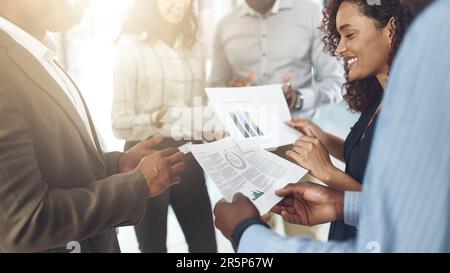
(361, 94)
(143, 16)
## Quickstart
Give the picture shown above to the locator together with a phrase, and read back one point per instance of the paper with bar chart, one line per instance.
(255, 116)
(246, 125)
(257, 174)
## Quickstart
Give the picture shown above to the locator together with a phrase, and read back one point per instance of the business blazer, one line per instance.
(56, 186)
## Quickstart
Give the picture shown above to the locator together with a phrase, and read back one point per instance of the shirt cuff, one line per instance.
(352, 205)
(255, 239)
(240, 229)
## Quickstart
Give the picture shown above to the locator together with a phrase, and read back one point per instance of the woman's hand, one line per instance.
(159, 116)
(310, 153)
(303, 125)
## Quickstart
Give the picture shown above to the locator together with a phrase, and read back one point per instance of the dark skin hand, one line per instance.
(309, 204)
(230, 215)
(130, 160)
(306, 204)
(161, 170)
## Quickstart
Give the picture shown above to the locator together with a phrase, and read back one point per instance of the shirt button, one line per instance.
(264, 54)
(264, 36)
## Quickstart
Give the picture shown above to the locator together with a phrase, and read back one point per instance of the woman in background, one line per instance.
(159, 66)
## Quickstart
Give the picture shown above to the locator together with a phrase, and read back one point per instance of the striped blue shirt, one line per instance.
(352, 206)
(406, 199)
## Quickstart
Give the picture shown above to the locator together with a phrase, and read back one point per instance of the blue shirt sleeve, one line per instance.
(260, 239)
(407, 198)
(352, 206)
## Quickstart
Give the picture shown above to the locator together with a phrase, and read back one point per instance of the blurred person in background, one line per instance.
(160, 68)
(263, 42)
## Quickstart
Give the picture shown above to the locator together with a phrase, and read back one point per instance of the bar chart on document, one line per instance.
(254, 116)
(246, 124)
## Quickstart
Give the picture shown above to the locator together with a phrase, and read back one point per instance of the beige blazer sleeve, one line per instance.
(34, 217)
(112, 162)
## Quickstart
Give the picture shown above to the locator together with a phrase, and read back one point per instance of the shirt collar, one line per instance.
(277, 7)
(45, 49)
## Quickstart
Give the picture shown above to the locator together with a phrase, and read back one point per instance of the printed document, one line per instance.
(257, 174)
(254, 115)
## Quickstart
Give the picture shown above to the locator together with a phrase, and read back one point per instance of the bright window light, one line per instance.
(90, 58)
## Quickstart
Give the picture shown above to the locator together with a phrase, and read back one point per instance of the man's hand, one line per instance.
(229, 215)
(160, 168)
(129, 160)
(310, 204)
(243, 82)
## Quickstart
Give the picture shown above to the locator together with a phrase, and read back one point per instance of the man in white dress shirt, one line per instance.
(272, 41)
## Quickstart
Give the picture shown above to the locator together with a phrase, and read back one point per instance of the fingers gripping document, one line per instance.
(256, 174)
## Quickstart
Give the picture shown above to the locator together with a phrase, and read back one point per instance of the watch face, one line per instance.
(299, 102)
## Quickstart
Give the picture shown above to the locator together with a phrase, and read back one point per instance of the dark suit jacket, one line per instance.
(55, 185)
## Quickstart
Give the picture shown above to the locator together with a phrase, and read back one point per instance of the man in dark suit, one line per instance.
(56, 184)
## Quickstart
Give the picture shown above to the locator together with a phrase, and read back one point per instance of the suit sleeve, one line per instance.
(35, 218)
(112, 162)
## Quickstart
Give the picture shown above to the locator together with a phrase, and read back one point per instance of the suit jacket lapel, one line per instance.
(33, 69)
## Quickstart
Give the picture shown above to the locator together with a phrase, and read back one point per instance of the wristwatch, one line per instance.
(299, 101)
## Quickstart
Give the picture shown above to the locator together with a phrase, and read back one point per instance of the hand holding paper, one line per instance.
(257, 174)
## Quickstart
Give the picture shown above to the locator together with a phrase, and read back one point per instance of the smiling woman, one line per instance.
(344, 32)
(367, 38)
(173, 11)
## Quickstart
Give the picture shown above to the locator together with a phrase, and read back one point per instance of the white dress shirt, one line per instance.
(45, 53)
(283, 42)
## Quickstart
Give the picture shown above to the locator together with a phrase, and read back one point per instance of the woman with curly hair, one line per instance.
(366, 37)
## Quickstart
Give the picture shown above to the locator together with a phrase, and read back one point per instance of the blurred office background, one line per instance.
(87, 53)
